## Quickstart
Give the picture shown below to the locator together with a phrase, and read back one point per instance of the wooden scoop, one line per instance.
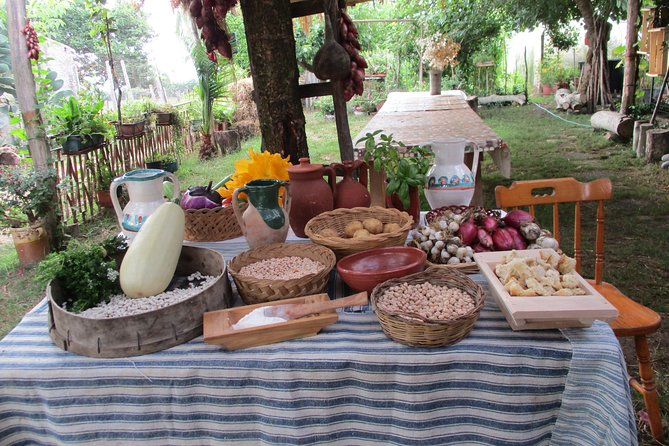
(296, 311)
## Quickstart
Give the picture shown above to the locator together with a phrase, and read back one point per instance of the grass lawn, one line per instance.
(542, 146)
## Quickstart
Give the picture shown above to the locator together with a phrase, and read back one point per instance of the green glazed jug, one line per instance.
(264, 221)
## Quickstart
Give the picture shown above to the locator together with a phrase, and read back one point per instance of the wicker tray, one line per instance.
(255, 291)
(212, 225)
(416, 331)
(339, 218)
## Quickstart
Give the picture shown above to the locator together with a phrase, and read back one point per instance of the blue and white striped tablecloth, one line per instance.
(349, 385)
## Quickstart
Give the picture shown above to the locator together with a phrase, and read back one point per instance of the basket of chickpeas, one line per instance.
(281, 271)
(347, 231)
(433, 308)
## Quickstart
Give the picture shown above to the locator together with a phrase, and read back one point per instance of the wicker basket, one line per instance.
(416, 331)
(339, 218)
(255, 291)
(212, 225)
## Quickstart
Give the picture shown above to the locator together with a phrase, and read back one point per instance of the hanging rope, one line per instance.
(561, 118)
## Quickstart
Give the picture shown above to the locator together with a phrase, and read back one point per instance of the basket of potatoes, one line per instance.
(347, 231)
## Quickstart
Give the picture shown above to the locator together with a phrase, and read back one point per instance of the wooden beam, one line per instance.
(382, 20)
(310, 7)
(314, 90)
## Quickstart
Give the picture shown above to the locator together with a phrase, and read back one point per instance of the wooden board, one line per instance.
(217, 325)
(544, 312)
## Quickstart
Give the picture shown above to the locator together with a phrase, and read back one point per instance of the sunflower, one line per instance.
(259, 165)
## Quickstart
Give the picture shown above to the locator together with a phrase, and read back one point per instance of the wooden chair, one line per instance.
(634, 320)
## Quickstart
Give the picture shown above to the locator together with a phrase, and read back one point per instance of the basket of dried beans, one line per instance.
(433, 308)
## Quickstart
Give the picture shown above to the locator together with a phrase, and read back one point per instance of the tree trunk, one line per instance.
(657, 144)
(631, 58)
(271, 46)
(207, 149)
(26, 96)
(621, 125)
(594, 86)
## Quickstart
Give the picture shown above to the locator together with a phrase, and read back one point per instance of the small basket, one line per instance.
(339, 218)
(212, 225)
(255, 291)
(416, 331)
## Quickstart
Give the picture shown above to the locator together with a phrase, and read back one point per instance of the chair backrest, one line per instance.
(556, 191)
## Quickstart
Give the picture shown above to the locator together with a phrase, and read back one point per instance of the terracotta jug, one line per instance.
(449, 181)
(310, 194)
(264, 221)
(350, 193)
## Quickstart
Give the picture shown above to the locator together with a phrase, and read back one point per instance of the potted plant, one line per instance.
(134, 123)
(165, 114)
(105, 178)
(405, 168)
(224, 112)
(154, 161)
(27, 197)
(79, 124)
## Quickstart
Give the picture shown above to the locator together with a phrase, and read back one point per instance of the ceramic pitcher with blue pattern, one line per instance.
(145, 189)
(449, 181)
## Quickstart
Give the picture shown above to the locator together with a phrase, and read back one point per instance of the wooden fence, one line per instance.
(79, 174)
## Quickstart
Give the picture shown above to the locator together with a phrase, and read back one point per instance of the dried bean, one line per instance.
(282, 268)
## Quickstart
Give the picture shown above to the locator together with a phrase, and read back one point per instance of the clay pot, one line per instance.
(264, 221)
(350, 193)
(104, 199)
(31, 243)
(394, 201)
(310, 193)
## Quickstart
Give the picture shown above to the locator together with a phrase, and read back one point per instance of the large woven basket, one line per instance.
(212, 225)
(255, 291)
(414, 330)
(339, 218)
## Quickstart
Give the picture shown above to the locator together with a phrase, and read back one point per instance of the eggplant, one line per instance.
(201, 197)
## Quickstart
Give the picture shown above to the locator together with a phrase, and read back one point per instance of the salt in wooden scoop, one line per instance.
(283, 312)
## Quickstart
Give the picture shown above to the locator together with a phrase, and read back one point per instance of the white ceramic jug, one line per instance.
(449, 181)
(145, 188)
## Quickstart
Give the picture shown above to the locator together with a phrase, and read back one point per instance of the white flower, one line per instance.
(112, 274)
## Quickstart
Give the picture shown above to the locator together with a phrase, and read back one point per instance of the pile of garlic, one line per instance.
(439, 241)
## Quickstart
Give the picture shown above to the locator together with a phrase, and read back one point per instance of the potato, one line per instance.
(352, 227)
(391, 227)
(360, 233)
(329, 232)
(373, 225)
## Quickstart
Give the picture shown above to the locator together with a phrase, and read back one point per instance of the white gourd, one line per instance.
(151, 260)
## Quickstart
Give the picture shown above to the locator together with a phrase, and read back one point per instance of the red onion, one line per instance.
(489, 223)
(480, 248)
(518, 240)
(467, 232)
(517, 217)
(502, 240)
(484, 238)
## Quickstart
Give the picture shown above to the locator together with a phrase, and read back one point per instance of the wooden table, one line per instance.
(418, 118)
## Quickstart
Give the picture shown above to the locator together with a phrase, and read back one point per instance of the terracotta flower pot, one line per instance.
(104, 198)
(31, 243)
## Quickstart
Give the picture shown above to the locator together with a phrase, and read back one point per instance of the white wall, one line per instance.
(531, 40)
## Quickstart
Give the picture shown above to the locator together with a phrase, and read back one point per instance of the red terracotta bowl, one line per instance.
(364, 270)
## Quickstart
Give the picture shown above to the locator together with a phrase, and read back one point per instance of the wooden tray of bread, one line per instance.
(531, 299)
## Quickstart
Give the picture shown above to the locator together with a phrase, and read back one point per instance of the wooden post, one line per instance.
(25, 84)
(657, 144)
(635, 134)
(629, 78)
(641, 146)
(27, 99)
(341, 114)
